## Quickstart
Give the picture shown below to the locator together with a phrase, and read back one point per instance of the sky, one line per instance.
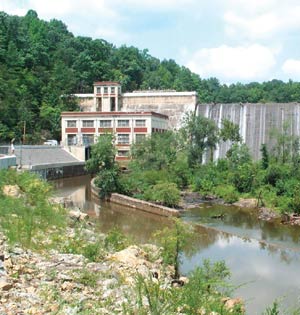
(232, 40)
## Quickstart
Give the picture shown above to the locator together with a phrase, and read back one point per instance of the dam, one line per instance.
(257, 122)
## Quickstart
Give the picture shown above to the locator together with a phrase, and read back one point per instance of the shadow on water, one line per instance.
(264, 256)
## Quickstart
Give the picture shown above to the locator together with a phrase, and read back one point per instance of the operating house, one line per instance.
(102, 113)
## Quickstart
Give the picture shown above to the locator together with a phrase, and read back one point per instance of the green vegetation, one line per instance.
(42, 61)
(103, 164)
(167, 163)
(26, 213)
(173, 241)
(202, 294)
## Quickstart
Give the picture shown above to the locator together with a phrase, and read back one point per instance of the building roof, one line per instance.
(106, 83)
(43, 154)
(158, 93)
(99, 114)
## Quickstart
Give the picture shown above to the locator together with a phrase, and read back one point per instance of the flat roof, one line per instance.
(98, 114)
(159, 93)
(106, 83)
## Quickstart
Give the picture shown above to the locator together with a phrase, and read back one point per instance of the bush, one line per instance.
(29, 216)
(227, 192)
(243, 178)
(166, 194)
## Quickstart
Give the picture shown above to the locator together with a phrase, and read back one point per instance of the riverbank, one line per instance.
(74, 269)
(57, 282)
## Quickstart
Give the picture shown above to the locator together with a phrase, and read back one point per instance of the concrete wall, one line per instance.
(256, 122)
(77, 151)
(137, 204)
(7, 161)
(173, 104)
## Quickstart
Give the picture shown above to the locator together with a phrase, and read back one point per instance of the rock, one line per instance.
(235, 304)
(131, 256)
(78, 215)
(246, 203)
(4, 285)
(12, 191)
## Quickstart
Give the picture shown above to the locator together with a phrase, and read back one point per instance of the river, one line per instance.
(264, 257)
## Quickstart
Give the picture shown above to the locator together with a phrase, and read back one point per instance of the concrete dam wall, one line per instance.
(256, 122)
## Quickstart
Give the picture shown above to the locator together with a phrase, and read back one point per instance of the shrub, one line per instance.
(29, 216)
(166, 194)
(227, 192)
(243, 178)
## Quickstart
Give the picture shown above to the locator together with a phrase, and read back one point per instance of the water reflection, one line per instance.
(244, 223)
(258, 253)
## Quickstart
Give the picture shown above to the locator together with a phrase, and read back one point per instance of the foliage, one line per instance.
(156, 152)
(264, 156)
(201, 134)
(286, 144)
(102, 162)
(296, 199)
(25, 217)
(102, 154)
(202, 294)
(227, 192)
(115, 240)
(166, 194)
(230, 131)
(173, 241)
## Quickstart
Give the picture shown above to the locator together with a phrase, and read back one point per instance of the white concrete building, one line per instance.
(130, 116)
(81, 129)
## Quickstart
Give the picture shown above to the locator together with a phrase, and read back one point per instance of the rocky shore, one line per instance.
(58, 283)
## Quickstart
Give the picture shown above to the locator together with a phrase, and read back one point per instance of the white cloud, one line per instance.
(252, 62)
(261, 19)
(291, 67)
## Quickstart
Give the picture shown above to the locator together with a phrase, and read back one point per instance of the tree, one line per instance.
(173, 241)
(156, 152)
(201, 134)
(102, 163)
(230, 131)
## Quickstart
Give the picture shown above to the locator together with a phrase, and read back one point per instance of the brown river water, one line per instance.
(264, 257)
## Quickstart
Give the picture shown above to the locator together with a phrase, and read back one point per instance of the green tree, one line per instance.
(201, 135)
(103, 164)
(173, 241)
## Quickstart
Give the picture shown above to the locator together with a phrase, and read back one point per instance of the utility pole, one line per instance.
(24, 132)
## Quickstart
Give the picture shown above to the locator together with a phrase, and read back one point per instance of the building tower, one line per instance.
(107, 96)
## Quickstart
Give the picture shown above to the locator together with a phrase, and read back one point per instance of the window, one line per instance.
(98, 90)
(72, 140)
(123, 139)
(123, 153)
(139, 138)
(140, 122)
(105, 123)
(87, 123)
(123, 123)
(71, 123)
(105, 90)
(112, 90)
(88, 139)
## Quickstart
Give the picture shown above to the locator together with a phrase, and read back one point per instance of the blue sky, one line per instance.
(233, 40)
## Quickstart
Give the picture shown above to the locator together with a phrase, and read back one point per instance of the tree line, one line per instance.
(40, 61)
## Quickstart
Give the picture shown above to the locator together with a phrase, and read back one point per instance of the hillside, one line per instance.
(41, 61)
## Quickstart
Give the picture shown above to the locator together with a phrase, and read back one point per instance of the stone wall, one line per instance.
(144, 205)
(136, 203)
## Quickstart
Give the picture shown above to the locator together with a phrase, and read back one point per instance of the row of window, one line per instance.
(106, 123)
(89, 139)
(107, 89)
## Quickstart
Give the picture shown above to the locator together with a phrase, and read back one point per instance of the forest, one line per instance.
(42, 64)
